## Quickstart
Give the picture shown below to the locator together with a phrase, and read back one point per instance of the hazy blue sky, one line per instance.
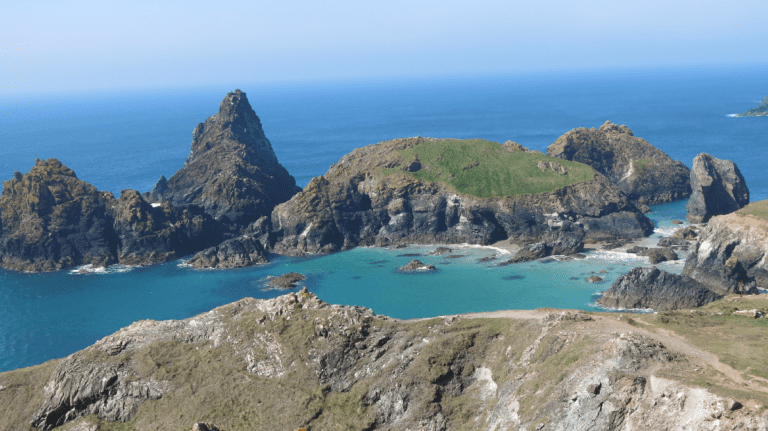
(57, 46)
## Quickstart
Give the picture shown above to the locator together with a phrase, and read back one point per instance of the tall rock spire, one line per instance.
(232, 171)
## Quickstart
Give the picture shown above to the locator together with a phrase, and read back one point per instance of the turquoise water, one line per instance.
(51, 315)
(127, 140)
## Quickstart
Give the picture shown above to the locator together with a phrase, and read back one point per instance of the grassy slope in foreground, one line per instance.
(497, 173)
(758, 209)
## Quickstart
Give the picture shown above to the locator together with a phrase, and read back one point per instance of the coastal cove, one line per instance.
(127, 140)
(53, 314)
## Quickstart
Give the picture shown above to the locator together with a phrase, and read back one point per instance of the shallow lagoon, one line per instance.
(51, 315)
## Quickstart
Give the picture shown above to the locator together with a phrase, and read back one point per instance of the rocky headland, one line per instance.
(297, 362)
(718, 188)
(433, 191)
(646, 174)
(760, 111)
(232, 171)
(52, 220)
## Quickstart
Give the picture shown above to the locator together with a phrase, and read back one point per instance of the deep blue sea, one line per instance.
(127, 140)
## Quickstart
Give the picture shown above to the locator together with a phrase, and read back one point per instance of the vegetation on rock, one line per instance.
(760, 111)
(487, 169)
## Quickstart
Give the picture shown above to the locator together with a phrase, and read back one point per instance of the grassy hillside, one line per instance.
(487, 169)
(759, 209)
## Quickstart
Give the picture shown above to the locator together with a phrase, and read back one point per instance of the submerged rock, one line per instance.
(232, 171)
(718, 188)
(656, 289)
(646, 174)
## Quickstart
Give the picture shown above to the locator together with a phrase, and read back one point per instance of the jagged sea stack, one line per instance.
(53, 220)
(718, 188)
(232, 171)
(646, 174)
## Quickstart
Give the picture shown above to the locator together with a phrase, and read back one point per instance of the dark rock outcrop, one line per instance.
(52, 220)
(670, 241)
(287, 281)
(646, 174)
(565, 244)
(718, 188)
(654, 254)
(729, 254)
(240, 252)
(232, 171)
(351, 205)
(656, 289)
(152, 234)
(416, 265)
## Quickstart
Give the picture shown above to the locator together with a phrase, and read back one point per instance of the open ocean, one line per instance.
(126, 140)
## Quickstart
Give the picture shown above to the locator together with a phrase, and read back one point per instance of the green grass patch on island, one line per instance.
(487, 169)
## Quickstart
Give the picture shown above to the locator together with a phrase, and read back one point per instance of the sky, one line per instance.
(79, 46)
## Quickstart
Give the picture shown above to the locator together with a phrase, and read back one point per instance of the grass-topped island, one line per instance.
(448, 191)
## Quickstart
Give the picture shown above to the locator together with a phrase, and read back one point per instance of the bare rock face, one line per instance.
(351, 206)
(148, 234)
(718, 188)
(52, 220)
(240, 252)
(646, 174)
(232, 171)
(656, 289)
(729, 254)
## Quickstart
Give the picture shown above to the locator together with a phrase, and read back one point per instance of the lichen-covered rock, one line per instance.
(656, 289)
(646, 174)
(353, 205)
(232, 171)
(53, 220)
(729, 256)
(718, 188)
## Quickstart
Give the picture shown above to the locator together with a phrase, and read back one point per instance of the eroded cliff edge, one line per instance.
(298, 362)
(425, 190)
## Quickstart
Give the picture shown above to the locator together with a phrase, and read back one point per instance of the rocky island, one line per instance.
(646, 174)
(760, 111)
(297, 362)
(445, 191)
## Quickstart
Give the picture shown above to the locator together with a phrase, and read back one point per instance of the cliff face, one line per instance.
(53, 220)
(718, 188)
(656, 289)
(232, 171)
(646, 174)
(354, 204)
(730, 254)
(297, 362)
